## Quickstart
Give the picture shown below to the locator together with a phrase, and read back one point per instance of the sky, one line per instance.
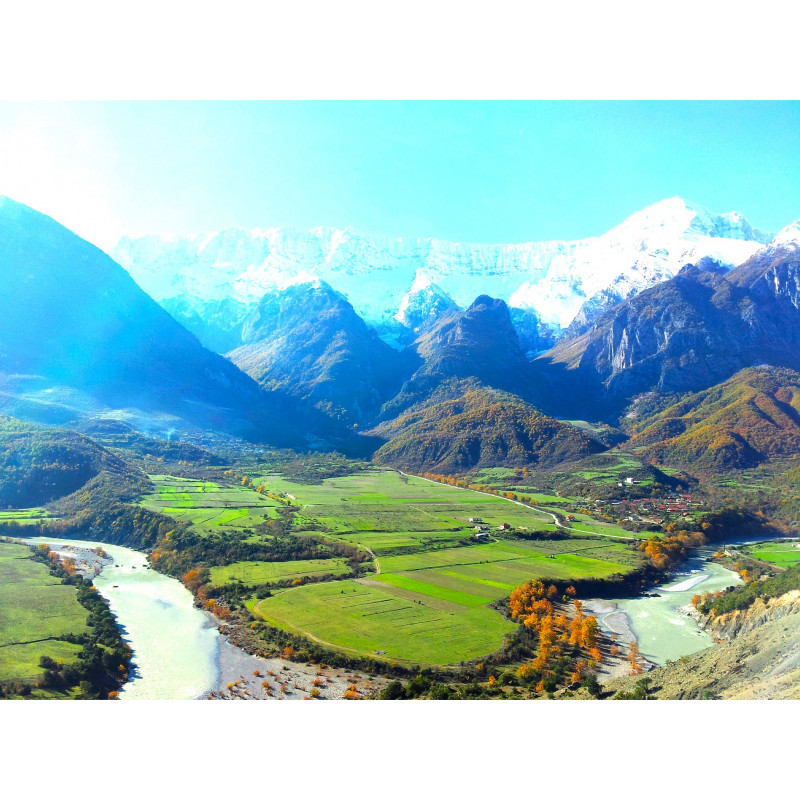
(473, 171)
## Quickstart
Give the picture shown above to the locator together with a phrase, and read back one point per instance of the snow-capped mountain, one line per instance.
(377, 273)
(788, 238)
(424, 303)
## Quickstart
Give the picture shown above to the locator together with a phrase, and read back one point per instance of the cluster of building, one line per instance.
(651, 510)
(481, 529)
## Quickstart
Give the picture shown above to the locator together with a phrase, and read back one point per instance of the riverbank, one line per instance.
(183, 652)
(662, 622)
(89, 562)
(174, 644)
(243, 676)
(760, 661)
(616, 625)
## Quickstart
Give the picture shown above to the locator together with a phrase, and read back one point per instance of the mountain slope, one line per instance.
(216, 323)
(746, 420)
(308, 341)
(375, 272)
(423, 304)
(480, 343)
(39, 464)
(688, 333)
(73, 318)
(464, 426)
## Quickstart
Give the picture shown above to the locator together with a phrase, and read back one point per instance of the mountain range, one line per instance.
(198, 277)
(309, 342)
(687, 333)
(696, 358)
(77, 335)
(742, 422)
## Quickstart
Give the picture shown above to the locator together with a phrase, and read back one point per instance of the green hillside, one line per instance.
(747, 420)
(481, 428)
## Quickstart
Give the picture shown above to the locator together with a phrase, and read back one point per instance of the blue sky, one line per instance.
(471, 171)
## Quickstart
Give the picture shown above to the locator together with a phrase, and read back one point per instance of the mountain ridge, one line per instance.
(688, 333)
(553, 278)
(74, 318)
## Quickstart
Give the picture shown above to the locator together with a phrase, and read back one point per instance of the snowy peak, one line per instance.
(390, 279)
(424, 303)
(675, 217)
(788, 237)
(421, 281)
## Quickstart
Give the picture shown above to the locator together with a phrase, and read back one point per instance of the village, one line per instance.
(639, 513)
(649, 510)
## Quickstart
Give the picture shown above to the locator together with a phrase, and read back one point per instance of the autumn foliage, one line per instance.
(192, 580)
(563, 639)
(665, 552)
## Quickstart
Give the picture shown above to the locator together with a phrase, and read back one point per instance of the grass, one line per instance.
(783, 554)
(401, 610)
(208, 506)
(254, 573)
(585, 524)
(24, 515)
(433, 590)
(384, 501)
(398, 624)
(430, 602)
(36, 609)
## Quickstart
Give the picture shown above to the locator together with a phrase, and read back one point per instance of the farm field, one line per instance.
(429, 599)
(585, 524)
(612, 468)
(253, 573)
(24, 515)
(36, 609)
(399, 611)
(209, 506)
(385, 502)
(373, 618)
(538, 498)
(783, 554)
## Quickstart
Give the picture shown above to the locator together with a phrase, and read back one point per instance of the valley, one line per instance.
(433, 498)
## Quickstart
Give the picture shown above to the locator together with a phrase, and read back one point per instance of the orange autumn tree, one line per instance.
(633, 659)
(559, 637)
(664, 552)
(192, 580)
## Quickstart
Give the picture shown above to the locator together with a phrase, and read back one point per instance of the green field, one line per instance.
(585, 524)
(429, 605)
(253, 573)
(24, 515)
(420, 513)
(374, 618)
(35, 610)
(209, 506)
(429, 599)
(783, 554)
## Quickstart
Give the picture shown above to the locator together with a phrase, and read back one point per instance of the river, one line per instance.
(175, 645)
(664, 632)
